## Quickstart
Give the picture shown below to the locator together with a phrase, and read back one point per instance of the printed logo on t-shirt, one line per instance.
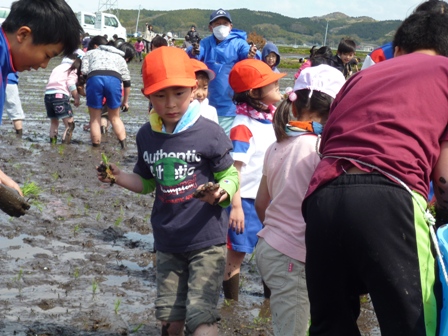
(170, 169)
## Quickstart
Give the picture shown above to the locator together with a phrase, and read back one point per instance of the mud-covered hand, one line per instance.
(11, 202)
(107, 172)
(236, 219)
(124, 107)
(252, 51)
(9, 182)
(211, 193)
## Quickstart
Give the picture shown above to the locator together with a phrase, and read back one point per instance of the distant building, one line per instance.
(367, 47)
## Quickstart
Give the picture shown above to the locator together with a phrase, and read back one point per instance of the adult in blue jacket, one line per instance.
(220, 51)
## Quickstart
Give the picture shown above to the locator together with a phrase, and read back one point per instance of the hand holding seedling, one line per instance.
(211, 193)
(107, 172)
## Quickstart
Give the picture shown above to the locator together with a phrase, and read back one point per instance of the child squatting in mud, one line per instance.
(189, 227)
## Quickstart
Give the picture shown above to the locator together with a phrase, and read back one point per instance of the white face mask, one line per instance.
(221, 32)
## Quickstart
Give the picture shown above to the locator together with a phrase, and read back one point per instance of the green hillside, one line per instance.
(274, 27)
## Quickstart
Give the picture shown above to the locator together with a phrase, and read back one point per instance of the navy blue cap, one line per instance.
(218, 14)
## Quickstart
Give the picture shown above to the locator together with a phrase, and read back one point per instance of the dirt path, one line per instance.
(80, 261)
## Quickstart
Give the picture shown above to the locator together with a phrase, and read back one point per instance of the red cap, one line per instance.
(252, 74)
(165, 67)
(201, 66)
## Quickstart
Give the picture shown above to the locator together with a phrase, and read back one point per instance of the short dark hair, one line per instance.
(432, 6)
(128, 49)
(96, 40)
(201, 73)
(158, 41)
(50, 21)
(423, 30)
(346, 46)
(323, 55)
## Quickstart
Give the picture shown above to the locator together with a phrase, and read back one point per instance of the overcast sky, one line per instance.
(377, 9)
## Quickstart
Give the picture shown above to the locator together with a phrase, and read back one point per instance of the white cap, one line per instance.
(323, 78)
(169, 34)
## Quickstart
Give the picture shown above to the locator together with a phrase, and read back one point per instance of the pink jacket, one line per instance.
(139, 46)
(60, 80)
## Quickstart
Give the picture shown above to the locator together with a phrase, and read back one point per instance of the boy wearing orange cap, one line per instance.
(204, 75)
(179, 150)
(256, 91)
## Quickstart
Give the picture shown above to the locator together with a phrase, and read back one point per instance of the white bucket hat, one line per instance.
(323, 78)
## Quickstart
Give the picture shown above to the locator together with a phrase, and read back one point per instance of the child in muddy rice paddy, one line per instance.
(139, 47)
(288, 166)
(366, 202)
(256, 91)
(106, 69)
(61, 85)
(204, 75)
(28, 40)
(177, 152)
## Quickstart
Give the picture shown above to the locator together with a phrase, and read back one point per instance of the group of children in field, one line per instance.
(102, 75)
(181, 151)
(267, 166)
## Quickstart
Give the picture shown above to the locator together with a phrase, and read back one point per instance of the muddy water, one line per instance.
(80, 262)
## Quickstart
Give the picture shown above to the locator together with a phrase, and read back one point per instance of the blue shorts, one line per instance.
(98, 87)
(58, 106)
(246, 241)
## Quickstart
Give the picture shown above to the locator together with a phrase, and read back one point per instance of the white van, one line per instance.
(100, 23)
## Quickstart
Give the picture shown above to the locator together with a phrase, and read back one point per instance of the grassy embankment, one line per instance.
(285, 63)
(293, 63)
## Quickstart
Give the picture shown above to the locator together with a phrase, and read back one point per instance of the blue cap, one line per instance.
(218, 14)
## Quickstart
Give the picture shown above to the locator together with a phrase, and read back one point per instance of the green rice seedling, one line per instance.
(227, 302)
(137, 328)
(86, 209)
(94, 287)
(18, 281)
(19, 276)
(118, 221)
(104, 158)
(364, 299)
(147, 217)
(117, 306)
(55, 175)
(38, 205)
(31, 189)
(76, 273)
(261, 320)
(98, 216)
(76, 229)
(61, 149)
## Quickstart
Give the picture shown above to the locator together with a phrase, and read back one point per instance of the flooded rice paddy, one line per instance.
(80, 262)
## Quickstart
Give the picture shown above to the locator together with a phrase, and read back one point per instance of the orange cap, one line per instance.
(165, 67)
(252, 74)
(201, 66)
